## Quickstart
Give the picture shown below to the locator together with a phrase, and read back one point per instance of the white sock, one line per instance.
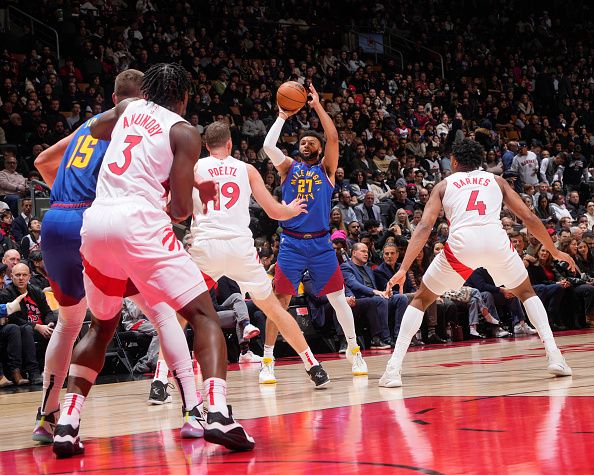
(161, 372)
(71, 411)
(344, 315)
(411, 322)
(216, 395)
(175, 349)
(269, 351)
(308, 358)
(538, 317)
(59, 353)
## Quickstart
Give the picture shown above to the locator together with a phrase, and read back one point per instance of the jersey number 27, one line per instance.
(474, 205)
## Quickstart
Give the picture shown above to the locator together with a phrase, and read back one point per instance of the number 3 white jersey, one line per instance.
(472, 199)
(231, 218)
(139, 158)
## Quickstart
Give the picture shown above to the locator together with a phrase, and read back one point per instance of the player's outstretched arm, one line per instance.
(420, 235)
(101, 128)
(513, 201)
(48, 161)
(330, 161)
(273, 208)
(277, 157)
(186, 145)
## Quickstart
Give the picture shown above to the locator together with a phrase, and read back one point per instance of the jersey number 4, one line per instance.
(228, 190)
(474, 205)
(132, 141)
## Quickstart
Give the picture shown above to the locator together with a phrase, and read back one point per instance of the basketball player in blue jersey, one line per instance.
(305, 243)
(71, 167)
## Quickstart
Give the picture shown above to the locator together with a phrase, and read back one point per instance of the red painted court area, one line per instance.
(431, 435)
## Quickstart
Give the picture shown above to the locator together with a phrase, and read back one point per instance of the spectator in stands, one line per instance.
(32, 241)
(543, 208)
(367, 210)
(133, 320)
(35, 319)
(353, 233)
(13, 185)
(525, 164)
(11, 343)
(360, 281)
(39, 277)
(483, 282)
(336, 221)
(345, 206)
(558, 208)
(20, 225)
(254, 129)
(10, 258)
(574, 206)
(359, 186)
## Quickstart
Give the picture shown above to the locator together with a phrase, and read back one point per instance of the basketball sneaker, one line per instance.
(318, 376)
(250, 331)
(391, 377)
(159, 394)
(557, 364)
(356, 358)
(249, 357)
(67, 442)
(193, 427)
(523, 328)
(267, 371)
(44, 426)
(227, 432)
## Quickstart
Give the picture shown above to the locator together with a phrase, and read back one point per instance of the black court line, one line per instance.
(423, 411)
(481, 430)
(427, 471)
(421, 422)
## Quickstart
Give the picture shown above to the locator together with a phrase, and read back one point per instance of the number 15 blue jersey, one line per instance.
(76, 180)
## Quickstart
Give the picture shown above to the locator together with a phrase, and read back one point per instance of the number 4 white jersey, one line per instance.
(472, 199)
(231, 217)
(139, 158)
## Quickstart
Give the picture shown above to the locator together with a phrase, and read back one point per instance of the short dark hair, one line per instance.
(313, 133)
(468, 153)
(371, 223)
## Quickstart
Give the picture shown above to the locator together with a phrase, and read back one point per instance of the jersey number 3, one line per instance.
(132, 141)
(474, 205)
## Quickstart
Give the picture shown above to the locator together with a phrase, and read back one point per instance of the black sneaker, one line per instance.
(35, 378)
(67, 442)
(227, 432)
(377, 344)
(343, 346)
(319, 376)
(159, 394)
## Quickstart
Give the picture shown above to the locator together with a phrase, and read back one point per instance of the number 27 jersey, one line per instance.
(472, 199)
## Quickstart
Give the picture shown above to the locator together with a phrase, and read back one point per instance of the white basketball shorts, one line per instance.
(235, 258)
(129, 240)
(470, 248)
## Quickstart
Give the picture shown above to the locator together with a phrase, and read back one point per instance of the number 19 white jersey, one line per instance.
(472, 199)
(231, 218)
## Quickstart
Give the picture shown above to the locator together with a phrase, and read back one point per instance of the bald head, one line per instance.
(11, 258)
(20, 276)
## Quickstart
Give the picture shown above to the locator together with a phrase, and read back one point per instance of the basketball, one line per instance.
(291, 96)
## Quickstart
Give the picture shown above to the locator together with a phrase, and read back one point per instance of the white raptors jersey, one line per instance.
(472, 199)
(231, 218)
(139, 158)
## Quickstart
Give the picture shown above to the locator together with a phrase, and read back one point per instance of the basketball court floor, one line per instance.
(469, 408)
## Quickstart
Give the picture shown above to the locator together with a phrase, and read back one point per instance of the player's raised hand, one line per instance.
(397, 279)
(208, 191)
(295, 208)
(283, 114)
(315, 98)
(562, 256)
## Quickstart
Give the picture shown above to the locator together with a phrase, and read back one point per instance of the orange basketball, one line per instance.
(291, 96)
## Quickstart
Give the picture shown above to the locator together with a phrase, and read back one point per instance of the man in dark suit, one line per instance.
(362, 290)
(20, 225)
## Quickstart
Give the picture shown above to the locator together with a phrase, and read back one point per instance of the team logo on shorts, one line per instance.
(170, 241)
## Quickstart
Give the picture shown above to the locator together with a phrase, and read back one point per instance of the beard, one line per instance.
(313, 157)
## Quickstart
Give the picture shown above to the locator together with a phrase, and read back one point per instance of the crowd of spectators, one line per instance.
(517, 77)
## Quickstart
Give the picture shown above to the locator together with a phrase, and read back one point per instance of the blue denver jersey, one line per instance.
(76, 180)
(310, 183)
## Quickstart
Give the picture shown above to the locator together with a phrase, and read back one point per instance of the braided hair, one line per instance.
(165, 84)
